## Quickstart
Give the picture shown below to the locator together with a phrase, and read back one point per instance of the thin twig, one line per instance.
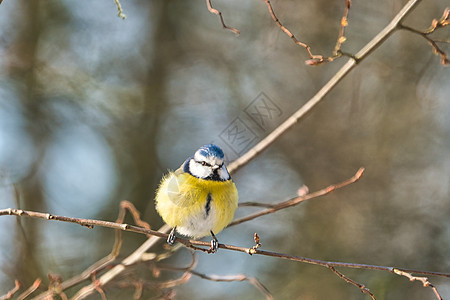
(436, 24)
(255, 204)
(313, 57)
(294, 201)
(169, 284)
(30, 290)
(217, 12)
(351, 281)
(257, 244)
(11, 293)
(344, 23)
(139, 287)
(442, 22)
(107, 260)
(178, 281)
(124, 206)
(127, 205)
(119, 10)
(131, 259)
(239, 277)
(174, 282)
(320, 95)
(424, 281)
(317, 59)
(140, 284)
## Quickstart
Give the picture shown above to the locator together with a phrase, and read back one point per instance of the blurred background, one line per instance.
(95, 109)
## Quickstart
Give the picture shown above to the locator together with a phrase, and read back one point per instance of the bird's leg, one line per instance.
(172, 237)
(214, 244)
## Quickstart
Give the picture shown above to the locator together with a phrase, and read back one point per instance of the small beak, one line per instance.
(215, 167)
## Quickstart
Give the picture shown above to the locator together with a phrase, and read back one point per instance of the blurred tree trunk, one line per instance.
(141, 136)
(22, 68)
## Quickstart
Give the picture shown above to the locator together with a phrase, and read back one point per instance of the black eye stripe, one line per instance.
(204, 163)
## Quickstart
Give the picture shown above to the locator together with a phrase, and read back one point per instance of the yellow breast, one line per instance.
(196, 206)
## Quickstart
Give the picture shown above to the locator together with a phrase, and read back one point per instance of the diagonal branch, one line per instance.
(120, 13)
(424, 281)
(317, 58)
(230, 278)
(239, 277)
(314, 58)
(351, 281)
(294, 201)
(14, 290)
(133, 258)
(107, 260)
(217, 12)
(30, 290)
(320, 95)
(436, 24)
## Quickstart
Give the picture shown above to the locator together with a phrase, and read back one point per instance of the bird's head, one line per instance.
(207, 163)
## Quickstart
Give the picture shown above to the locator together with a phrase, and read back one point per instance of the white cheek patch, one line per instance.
(198, 170)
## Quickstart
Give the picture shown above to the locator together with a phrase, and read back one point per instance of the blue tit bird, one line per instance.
(198, 199)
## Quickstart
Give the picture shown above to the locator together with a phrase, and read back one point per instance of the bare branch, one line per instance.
(442, 22)
(127, 205)
(11, 293)
(101, 264)
(176, 282)
(182, 279)
(344, 22)
(424, 281)
(317, 59)
(131, 259)
(319, 96)
(136, 255)
(239, 277)
(119, 10)
(351, 281)
(314, 58)
(30, 290)
(217, 12)
(294, 201)
(436, 24)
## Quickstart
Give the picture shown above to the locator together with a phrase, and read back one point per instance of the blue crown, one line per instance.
(211, 150)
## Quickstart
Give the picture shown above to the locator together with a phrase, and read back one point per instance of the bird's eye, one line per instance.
(204, 163)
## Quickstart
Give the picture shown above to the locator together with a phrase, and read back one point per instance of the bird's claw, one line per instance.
(214, 244)
(171, 238)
